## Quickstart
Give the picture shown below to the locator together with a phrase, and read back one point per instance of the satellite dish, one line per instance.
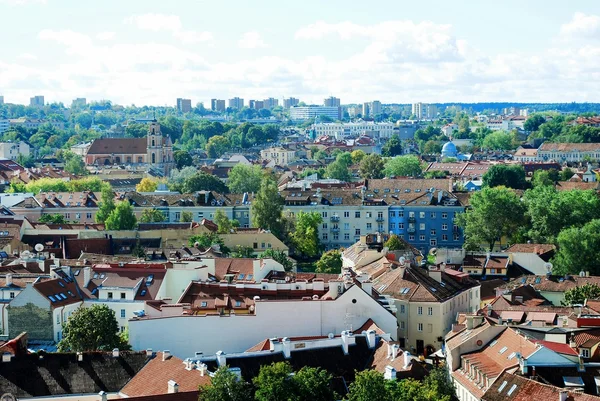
(39, 247)
(433, 251)
(25, 254)
(548, 266)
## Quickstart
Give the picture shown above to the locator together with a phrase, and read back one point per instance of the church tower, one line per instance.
(154, 144)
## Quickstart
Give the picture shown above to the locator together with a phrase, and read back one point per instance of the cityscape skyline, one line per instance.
(144, 53)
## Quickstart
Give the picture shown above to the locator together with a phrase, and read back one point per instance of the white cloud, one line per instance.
(27, 56)
(251, 40)
(582, 25)
(168, 23)
(74, 41)
(106, 35)
(22, 2)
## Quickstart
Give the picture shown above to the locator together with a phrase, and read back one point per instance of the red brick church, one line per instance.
(154, 150)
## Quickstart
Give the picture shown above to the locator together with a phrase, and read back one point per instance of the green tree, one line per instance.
(545, 177)
(566, 174)
(242, 252)
(357, 156)
(339, 171)
(224, 223)
(432, 147)
(393, 147)
(225, 386)
(206, 240)
(25, 161)
(152, 215)
(403, 166)
(107, 205)
(267, 207)
(182, 159)
(91, 329)
(330, 262)
(533, 122)
(438, 385)
(186, 217)
(136, 130)
(56, 218)
(369, 385)
(578, 249)
(274, 382)
(217, 145)
(313, 384)
(394, 243)
(579, 294)
(243, 178)
(372, 166)
(121, 218)
(505, 175)
(203, 182)
(279, 257)
(147, 185)
(494, 213)
(306, 235)
(498, 140)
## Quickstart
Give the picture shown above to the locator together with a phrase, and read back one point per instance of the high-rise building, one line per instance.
(184, 105)
(290, 102)
(270, 103)
(1, 99)
(424, 111)
(36, 101)
(236, 103)
(79, 102)
(256, 104)
(375, 108)
(331, 102)
(217, 104)
(308, 112)
(366, 108)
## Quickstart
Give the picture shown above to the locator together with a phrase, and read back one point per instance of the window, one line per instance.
(380, 215)
(204, 304)
(401, 213)
(422, 226)
(444, 215)
(122, 313)
(432, 215)
(12, 295)
(392, 214)
(456, 237)
(432, 232)
(346, 214)
(324, 214)
(255, 245)
(433, 242)
(444, 237)
(401, 226)
(402, 309)
(336, 236)
(585, 352)
(77, 215)
(177, 216)
(346, 236)
(422, 215)
(238, 304)
(110, 295)
(324, 226)
(325, 236)
(369, 226)
(57, 319)
(430, 311)
(67, 215)
(420, 326)
(357, 231)
(411, 214)
(369, 215)
(420, 310)
(492, 271)
(401, 325)
(411, 237)
(357, 215)
(346, 226)
(122, 295)
(88, 215)
(444, 227)
(422, 237)
(392, 226)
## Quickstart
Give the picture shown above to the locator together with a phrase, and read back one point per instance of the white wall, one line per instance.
(184, 335)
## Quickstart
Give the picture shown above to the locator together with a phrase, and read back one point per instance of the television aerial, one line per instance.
(39, 247)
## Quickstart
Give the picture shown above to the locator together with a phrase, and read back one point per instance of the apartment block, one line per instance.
(236, 103)
(290, 102)
(217, 105)
(424, 111)
(184, 105)
(331, 101)
(309, 112)
(36, 101)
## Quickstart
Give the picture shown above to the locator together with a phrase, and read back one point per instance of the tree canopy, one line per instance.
(225, 385)
(147, 185)
(202, 181)
(151, 215)
(280, 257)
(306, 235)
(267, 207)
(505, 175)
(403, 166)
(224, 223)
(372, 166)
(578, 250)
(106, 206)
(330, 262)
(392, 147)
(121, 218)
(243, 178)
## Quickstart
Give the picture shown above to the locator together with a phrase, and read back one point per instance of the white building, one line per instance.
(308, 112)
(569, 152)
(4, 125)
(506, 123)
(342, 130)
(424, 111)
(11, 150)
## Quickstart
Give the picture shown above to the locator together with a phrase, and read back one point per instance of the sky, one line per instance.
(148, 52)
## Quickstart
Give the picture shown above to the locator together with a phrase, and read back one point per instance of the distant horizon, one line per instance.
(151, 52)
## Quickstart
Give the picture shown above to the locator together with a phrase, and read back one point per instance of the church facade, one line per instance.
(155, 150)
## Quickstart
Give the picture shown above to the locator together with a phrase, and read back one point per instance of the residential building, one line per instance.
(290, 102)
(256, 104)
(569, 152)
(270, 103)
(506, 123)
(11, 150)
(1, 99)
(525, 155)
(424, 111)
(11, 285)
(236, 103)
(30, 123)
(550, 287)
(374, 108)
(589, 121)
(449, 129)
(217, 105)
(354, 129)
(309, 112)
(511, 111)
(534, 258)
(4, 125)
(331, 102)
(184, 105)
(36, 101)
(280, 156)
(355, 111)
(81, 149)
(406, 130)
(79, 102)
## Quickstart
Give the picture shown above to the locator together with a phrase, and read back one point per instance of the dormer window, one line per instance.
(584, 352)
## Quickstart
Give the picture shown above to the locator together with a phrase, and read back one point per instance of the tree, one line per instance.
(403, 166)
(243, 178)
(392, 147)
(279, 257)
(306, 235)
(504, 175)
(25, 161)
(313, 384)
(75, 166)
(432, 147)
(147, 185)
(339, 171)
(578, 249)
(242, 252)
(372, 166)
(566, 174)
(203, 182)
(152, 215)
(438, 385)
(107, 205)
(56, 218)
(330, 262)
(225, 385)
(206, 240)
(533, 122)
(394, 243)
(91, 329)
(182, 159)
(498, 141)
(186, 217)
(222, 221)
(367, 386)
(578, 295)
(274, 382)
(217, 145)
(545, 177)
(121, 218)
(267, 207)
(494, 213)
(357, 156)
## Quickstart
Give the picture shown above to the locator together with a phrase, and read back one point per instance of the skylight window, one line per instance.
(502, 350)
(149, 279)
(63, 296)
(241, 276)
(61, 284)
(52, 298)
(102, 275)
(204, 304)
(249, 277)
(95, 275)
(143, 292)
(502, 386)
(493, 343)
(513, 388)
(511, 356)
(405, 290)
(538, 280)
(94, 291)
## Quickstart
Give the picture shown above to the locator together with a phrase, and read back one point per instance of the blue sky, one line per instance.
(151, 52)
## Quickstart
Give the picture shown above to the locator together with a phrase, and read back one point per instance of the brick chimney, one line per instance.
(173, 387)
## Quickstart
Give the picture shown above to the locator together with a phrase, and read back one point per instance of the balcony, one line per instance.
(335, 218)
(380, 219)
(411, 229)
(335, 229)
(412, 219)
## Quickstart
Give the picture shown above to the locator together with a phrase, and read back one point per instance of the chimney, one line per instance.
(6, 357)
(173, 387)
(407, 359)
(149, 352)
(371, 339)
(395, 349)
(87, 276)
(390, 373)
(436, 275)
(103, 396)
(287, 348)
(80, 357)
(166, 355)
(275, 345)
(469, 322)
(9, 279)
(221, 358)
(115, 353)
(563, 395)
(202, 368)
(346, 341)
(367, 287)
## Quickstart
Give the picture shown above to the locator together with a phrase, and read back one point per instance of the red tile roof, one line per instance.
(557, 347)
